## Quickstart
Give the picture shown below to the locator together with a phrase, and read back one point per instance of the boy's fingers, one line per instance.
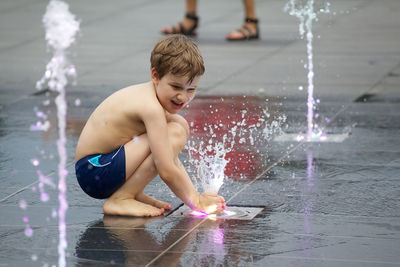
(221, 208)
(210, 194)
(221, 199)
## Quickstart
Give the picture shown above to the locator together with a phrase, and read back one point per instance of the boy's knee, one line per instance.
(181, 120)
(178, 134)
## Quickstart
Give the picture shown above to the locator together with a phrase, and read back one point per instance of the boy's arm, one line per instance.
(173, 175)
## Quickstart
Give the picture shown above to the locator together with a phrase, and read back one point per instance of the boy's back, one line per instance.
(117, 120)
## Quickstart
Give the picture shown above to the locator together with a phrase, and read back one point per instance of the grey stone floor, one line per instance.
(325, 204)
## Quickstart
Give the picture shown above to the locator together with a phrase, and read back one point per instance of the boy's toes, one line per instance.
(162, 205)
(153, 212)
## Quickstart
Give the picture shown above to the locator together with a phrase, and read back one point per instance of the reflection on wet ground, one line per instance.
(324, 203)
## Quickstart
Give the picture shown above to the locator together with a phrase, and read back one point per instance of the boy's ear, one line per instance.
(154, 76)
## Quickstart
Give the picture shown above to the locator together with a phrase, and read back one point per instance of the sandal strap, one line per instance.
(189, 31)
(175, 30)
(192, 16)
(249, 20)
(245, 31)
(179, 28)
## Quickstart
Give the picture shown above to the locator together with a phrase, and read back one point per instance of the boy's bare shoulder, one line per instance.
(140, 98)
(137, 89)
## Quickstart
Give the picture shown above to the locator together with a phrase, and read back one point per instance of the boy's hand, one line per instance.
(211, 203)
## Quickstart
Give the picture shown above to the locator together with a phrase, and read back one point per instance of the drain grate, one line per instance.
(231, 213)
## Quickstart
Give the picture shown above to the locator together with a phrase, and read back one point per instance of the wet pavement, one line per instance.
(324, 204)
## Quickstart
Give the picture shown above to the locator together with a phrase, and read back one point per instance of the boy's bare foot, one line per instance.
(130, 207)
(152, 201)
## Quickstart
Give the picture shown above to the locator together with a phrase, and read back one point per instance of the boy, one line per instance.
(136, 133)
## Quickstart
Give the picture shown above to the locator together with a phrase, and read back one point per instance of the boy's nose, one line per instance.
(182, 97)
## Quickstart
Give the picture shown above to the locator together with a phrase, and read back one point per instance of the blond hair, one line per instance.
(178, 55)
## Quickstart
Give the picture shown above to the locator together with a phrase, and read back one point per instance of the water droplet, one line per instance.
(40, 114)
(35, 162)
(22, 204)
(44, 197)
(54, 213)
(28, 231)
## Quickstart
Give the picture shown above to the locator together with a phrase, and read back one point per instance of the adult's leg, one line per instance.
(250, 15)
(187, 23)
(129, 199)
(249, 9)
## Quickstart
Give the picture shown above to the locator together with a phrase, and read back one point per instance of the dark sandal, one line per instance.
(247, 34)
(181, 30)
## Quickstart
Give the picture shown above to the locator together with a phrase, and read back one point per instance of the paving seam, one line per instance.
(259, 176)
(216, 84)
(333, 259)
(263, 173)
(204, 219)
(341, 110)
(27, 186)
(176, 242)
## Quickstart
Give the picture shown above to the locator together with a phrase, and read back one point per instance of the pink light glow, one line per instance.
(28, 231)
(218, 236)
(199, 213)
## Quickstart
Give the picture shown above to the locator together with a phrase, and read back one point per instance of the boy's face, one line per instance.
(174, 92)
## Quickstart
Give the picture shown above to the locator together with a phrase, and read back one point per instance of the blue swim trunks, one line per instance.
(100, 175)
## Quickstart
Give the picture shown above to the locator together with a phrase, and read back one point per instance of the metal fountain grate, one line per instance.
(231, 213)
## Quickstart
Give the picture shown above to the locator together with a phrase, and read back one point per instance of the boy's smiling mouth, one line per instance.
(176, 105)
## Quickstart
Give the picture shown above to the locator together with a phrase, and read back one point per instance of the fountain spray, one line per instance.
(306, 13)
(61, 28)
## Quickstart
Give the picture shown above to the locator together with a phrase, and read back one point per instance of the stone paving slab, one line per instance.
(326, 204)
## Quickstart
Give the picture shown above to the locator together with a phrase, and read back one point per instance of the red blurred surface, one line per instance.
(244, 161)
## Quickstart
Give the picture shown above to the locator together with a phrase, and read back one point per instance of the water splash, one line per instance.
(275, 126)
(210, 166)
(306, 13)
(210, 155)
(61, 28)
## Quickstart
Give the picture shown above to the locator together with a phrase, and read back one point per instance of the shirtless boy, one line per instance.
(136, 133)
